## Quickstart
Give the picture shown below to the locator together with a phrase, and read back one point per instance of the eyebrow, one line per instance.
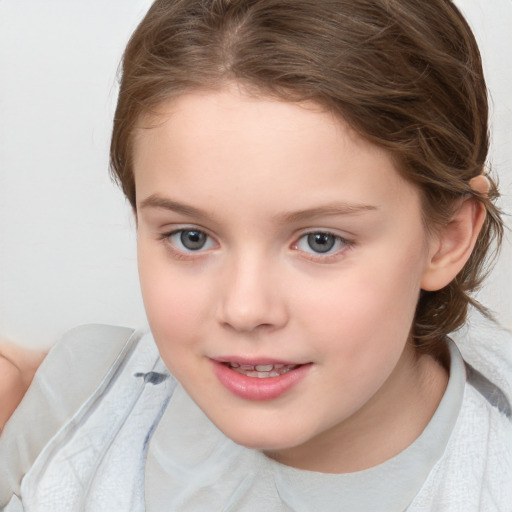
(156, 201)
(333, 209)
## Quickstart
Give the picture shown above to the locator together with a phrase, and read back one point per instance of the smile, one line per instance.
(264, 381)
(262, 371)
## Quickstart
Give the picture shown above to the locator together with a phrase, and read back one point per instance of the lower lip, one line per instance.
(254, 388)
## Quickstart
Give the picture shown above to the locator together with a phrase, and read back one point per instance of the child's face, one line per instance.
(270, 233)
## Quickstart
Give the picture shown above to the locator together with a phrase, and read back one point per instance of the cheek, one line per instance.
(175, 302)
(367, 310)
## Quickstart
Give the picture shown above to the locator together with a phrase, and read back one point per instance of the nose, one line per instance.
(251, 298)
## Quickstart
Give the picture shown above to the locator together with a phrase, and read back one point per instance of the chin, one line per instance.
(269, 439)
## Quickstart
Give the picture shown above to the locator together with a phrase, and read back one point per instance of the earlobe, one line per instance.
(453, 245)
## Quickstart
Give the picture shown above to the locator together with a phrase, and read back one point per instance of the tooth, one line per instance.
(264, 367)
(252, 371)
(234, 365)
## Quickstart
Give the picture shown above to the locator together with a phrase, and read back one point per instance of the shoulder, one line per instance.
(475, 471)
(74, 368)
(484, 436)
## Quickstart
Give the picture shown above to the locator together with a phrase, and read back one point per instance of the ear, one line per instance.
(451, 248)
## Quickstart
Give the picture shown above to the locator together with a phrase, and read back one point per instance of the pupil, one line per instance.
(193, 240)
(321, 242)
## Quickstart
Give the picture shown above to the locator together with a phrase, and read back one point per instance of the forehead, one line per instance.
(232, 143)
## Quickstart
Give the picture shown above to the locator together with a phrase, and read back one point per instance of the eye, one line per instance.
(321, 242)
(190, 240)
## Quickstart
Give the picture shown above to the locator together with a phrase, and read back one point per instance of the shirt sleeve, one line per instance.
(73, 369)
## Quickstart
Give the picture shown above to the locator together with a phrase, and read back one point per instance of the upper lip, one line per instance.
(254, 361)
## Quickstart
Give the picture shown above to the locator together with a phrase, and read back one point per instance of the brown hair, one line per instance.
(405, 74)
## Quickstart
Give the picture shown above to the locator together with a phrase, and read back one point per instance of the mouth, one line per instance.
(259, 380)
(262, 371)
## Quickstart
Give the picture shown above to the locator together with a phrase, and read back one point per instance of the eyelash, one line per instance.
(184, 252)
(342, 245)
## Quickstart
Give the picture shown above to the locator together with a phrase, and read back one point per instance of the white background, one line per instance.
(67, 240)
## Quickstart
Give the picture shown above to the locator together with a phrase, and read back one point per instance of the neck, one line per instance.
(387, 424)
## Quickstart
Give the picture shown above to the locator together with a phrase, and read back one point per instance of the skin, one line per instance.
(239, 169)
(17, 368)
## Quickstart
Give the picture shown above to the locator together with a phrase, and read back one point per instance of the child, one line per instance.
(308, 182)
